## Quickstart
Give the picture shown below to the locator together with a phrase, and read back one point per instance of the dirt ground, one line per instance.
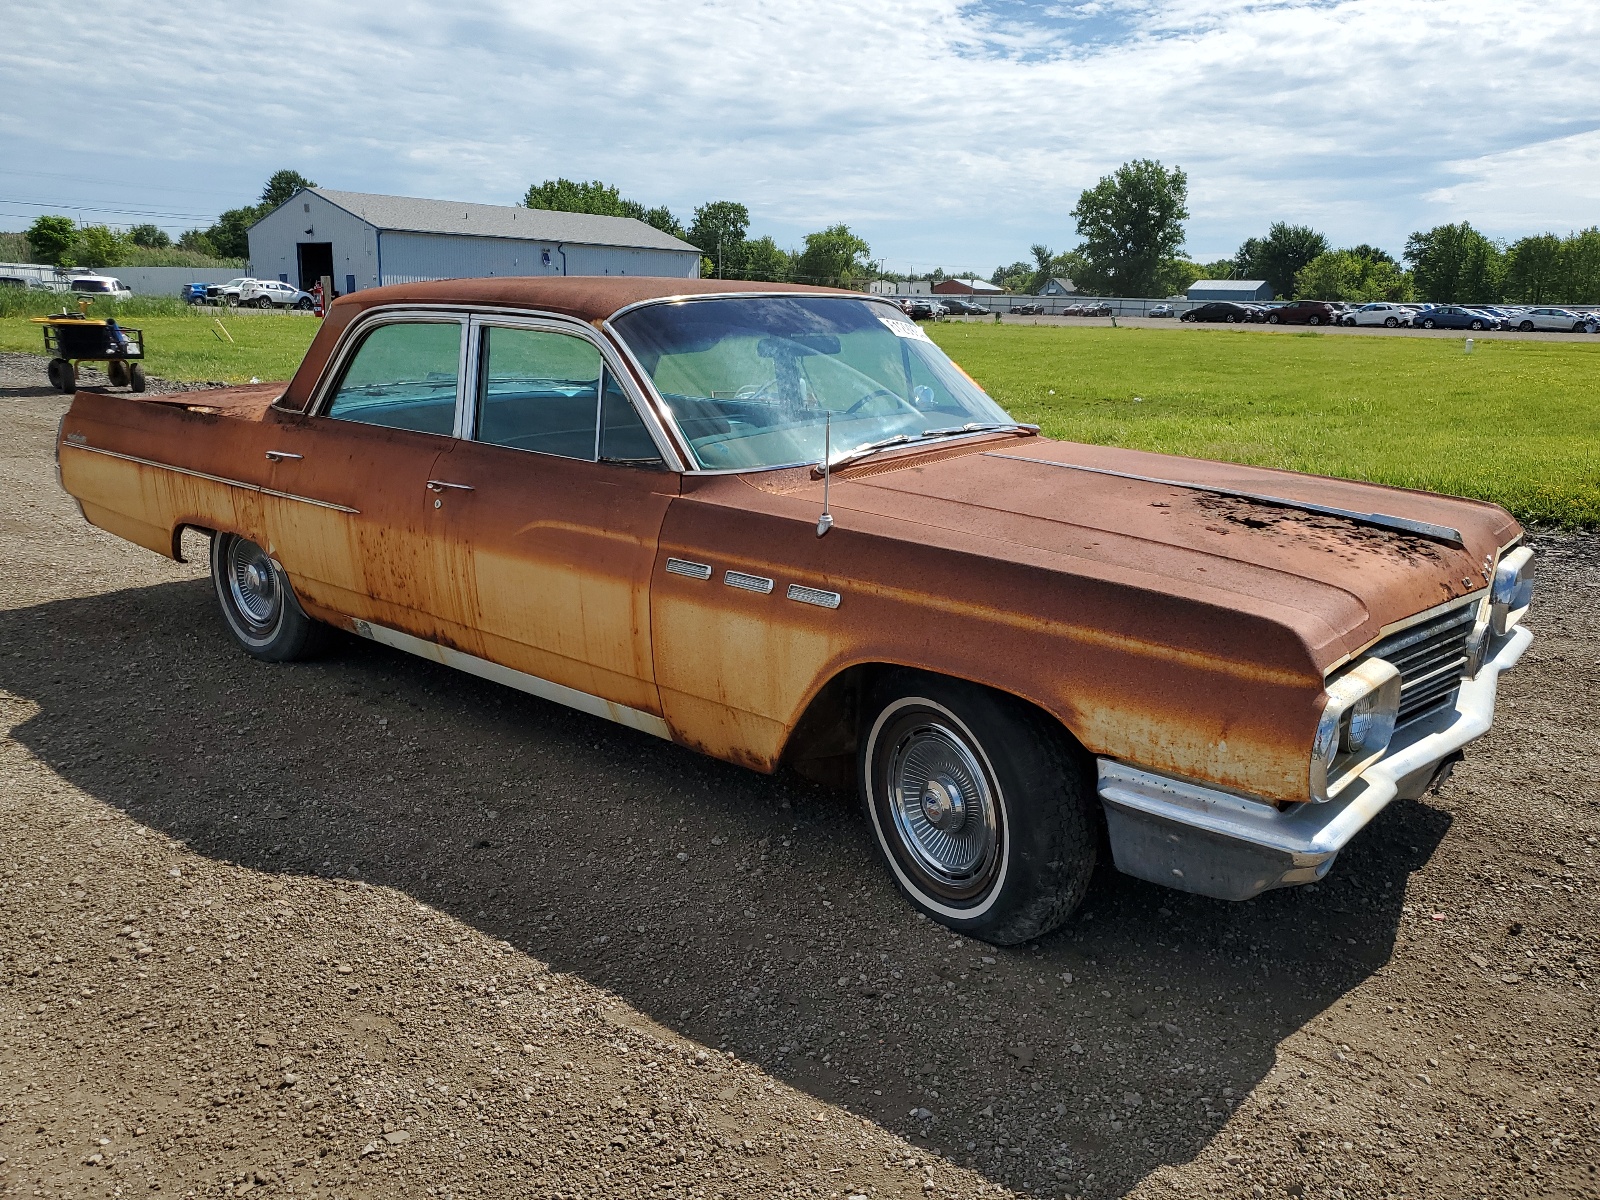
(367, 927)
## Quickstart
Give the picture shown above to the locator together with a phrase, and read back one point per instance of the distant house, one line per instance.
(1238, 290)
(915, 287)
(882, 287)
(1059, 287)
(966, 287)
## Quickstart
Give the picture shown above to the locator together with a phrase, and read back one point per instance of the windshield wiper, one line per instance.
(981, 427)
(868, 449)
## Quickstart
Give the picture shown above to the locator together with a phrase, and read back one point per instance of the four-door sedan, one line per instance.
(1553, 320)
(1303, 312)
(1390, 316)
(777, 525)
(1453, 316)
(1220, 310)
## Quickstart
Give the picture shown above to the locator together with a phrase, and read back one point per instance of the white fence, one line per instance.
(1054, 306)
(144, 281)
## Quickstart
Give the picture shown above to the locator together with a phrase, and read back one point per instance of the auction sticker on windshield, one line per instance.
(905, 329)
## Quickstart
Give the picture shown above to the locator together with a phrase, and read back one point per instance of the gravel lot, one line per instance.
(368, 927)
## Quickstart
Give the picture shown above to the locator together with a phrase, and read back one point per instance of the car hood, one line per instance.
(1339, 581)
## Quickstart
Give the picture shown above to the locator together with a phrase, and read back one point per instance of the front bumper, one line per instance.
(1218, 844)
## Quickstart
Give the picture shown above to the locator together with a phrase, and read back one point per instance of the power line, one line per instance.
(99, 208)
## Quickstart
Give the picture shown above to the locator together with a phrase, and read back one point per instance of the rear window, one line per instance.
(90, 285)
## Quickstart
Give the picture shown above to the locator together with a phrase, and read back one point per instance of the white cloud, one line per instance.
(949, 131)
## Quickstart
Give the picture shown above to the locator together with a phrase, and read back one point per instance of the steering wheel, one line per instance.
(873, 395)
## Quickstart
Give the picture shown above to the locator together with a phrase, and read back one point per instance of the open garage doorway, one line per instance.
(316, 260)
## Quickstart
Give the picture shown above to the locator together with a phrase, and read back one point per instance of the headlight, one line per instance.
(1357, 722)
(1512, 592)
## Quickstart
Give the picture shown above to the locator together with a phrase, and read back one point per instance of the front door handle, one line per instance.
(439, 485)
(282, 455)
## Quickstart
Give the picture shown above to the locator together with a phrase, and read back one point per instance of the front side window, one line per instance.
(754, 381)
(550, 393)
(403, 377)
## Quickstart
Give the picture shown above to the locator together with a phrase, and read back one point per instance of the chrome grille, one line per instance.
(1432, 657)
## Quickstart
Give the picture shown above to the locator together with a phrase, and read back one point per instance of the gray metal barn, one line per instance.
(364, 241)
(1241, 291)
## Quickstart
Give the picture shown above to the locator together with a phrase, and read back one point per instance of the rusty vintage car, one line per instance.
(777, 524)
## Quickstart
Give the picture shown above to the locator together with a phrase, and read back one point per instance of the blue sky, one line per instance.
(949, 133)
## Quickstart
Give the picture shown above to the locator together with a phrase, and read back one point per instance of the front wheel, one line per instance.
(1313, 320)
(983, 808)
(1427, 324)
(1526, 327)
(1477, 326)
(258, 605)
(305, 304)
(1273, 319)
(136, 379)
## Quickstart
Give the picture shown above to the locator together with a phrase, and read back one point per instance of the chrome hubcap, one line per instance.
(253, 583)
(942, 804)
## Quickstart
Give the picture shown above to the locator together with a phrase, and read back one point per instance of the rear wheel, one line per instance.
(136, 377)
(63, 375)
(983, 808)
(117, 372)
(1391, 322)
(258, 605)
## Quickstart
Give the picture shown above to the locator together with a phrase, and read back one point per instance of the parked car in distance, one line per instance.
(1162, 310)
(1453, 316)
(1390, 316)
(13, 281)
(193, 293)
(964, 308)
(1101, 309)
(272, 293)
(1219, 310)
(100, 285)
(226, 293)
(802, 535)
(1553, 320)
(1302, 312)
(1027, 310)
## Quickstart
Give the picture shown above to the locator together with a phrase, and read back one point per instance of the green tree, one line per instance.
(1175, 276)
(1580, 267)
(566, 195)
(1533, 270)
(1455, 264)
(281, 187)
(1351, 275)
(99, 246)
(230, 236)
(52, 238)
(765, 259)
(1279, 256)
(150, 237)
(718, 228)
(1130, 222)
(1044, 266)
(1374, 254)
(661, 218)
(1014, 278)
(196, 241)
(834, 256)
(1222, 268)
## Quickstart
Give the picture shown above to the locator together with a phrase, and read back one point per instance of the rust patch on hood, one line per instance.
(1335, 534)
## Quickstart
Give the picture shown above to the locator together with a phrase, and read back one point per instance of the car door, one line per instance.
(553, 500)
(348, 508)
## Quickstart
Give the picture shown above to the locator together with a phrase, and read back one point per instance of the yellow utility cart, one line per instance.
(71, 338)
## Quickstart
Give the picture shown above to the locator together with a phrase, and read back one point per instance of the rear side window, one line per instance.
(539, 391)
(403, 377)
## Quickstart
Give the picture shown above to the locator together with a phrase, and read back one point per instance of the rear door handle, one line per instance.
(439, 485)
(281, 455)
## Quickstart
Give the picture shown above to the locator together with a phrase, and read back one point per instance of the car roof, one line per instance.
(588, 297)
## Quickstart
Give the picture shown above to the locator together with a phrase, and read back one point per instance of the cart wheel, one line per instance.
(117, 372)
(136, 377)
(53, 370)
(64, 375)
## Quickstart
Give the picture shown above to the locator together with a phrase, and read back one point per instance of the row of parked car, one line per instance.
(1523, 318)
(245, 292)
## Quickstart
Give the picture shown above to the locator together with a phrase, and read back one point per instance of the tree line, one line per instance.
(720, 230)
(1132, 228)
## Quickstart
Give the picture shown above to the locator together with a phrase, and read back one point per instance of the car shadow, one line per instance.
(743, 911)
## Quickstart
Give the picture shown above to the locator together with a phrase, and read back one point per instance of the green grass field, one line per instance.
(1514, 422)
(189, 344)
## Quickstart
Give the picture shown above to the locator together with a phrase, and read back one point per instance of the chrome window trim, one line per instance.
(349, 344)
(664, 410)
(466, 313)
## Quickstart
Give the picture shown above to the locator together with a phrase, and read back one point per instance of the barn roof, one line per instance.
(409, 214)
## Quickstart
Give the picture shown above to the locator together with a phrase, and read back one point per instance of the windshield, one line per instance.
(752, 380)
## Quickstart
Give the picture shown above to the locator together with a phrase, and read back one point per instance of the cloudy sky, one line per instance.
(950, 133)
